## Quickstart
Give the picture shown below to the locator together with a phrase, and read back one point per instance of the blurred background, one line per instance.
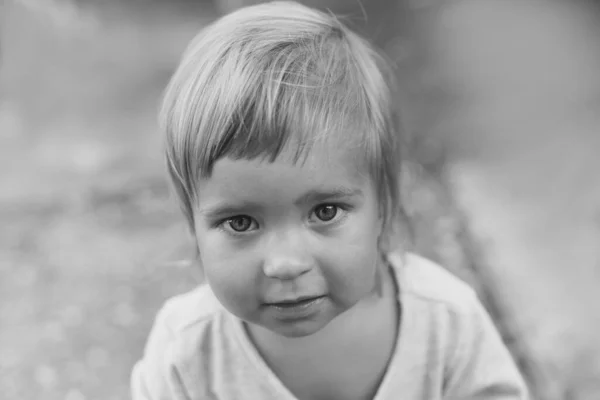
(501, 102)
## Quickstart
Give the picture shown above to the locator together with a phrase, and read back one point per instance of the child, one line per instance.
(283, 149)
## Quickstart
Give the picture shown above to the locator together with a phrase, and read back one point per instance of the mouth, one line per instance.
(296, 309)
(298, 302)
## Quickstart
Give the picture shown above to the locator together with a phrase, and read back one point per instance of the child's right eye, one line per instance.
(239, 224)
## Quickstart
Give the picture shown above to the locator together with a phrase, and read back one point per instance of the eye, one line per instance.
(326, 212)
(240, 223)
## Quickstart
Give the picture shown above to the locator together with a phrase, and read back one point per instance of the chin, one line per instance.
(297, 329)
(302, 327)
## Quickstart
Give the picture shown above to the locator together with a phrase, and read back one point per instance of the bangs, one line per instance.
(277, 78)
(298, 96)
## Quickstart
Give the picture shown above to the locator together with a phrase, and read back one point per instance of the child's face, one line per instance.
(271, 234)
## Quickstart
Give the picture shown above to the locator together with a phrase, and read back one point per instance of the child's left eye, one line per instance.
(327, 212)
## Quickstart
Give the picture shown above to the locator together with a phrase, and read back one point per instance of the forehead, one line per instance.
(333, 154)
(321, 168)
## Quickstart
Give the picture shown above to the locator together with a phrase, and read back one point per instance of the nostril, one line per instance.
(286, 268)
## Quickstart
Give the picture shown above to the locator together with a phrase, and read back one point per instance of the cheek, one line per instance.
(350, 261)
(230, 274)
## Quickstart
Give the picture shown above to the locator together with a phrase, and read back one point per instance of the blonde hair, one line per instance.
(270, 76)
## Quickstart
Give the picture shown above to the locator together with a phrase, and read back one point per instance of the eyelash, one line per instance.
(344, 208)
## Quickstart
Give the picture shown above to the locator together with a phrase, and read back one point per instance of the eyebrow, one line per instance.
(332, 194)
(220, 210)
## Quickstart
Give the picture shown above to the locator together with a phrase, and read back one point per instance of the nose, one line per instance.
(287, 257)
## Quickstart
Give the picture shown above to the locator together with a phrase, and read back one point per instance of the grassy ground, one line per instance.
(90, 239)
(91, 242)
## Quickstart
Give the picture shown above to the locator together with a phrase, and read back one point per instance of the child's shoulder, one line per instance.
(189, 327)
(427, 281)
(186, 310)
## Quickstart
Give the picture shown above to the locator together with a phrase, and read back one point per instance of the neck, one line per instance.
(347, 359)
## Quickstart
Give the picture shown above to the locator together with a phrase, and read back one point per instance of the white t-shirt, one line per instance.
(447, 348)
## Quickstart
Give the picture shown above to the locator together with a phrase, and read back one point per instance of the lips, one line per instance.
(296, 309)
(293, 302)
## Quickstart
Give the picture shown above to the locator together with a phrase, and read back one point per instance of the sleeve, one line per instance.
(149, 377)
(482, 366)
